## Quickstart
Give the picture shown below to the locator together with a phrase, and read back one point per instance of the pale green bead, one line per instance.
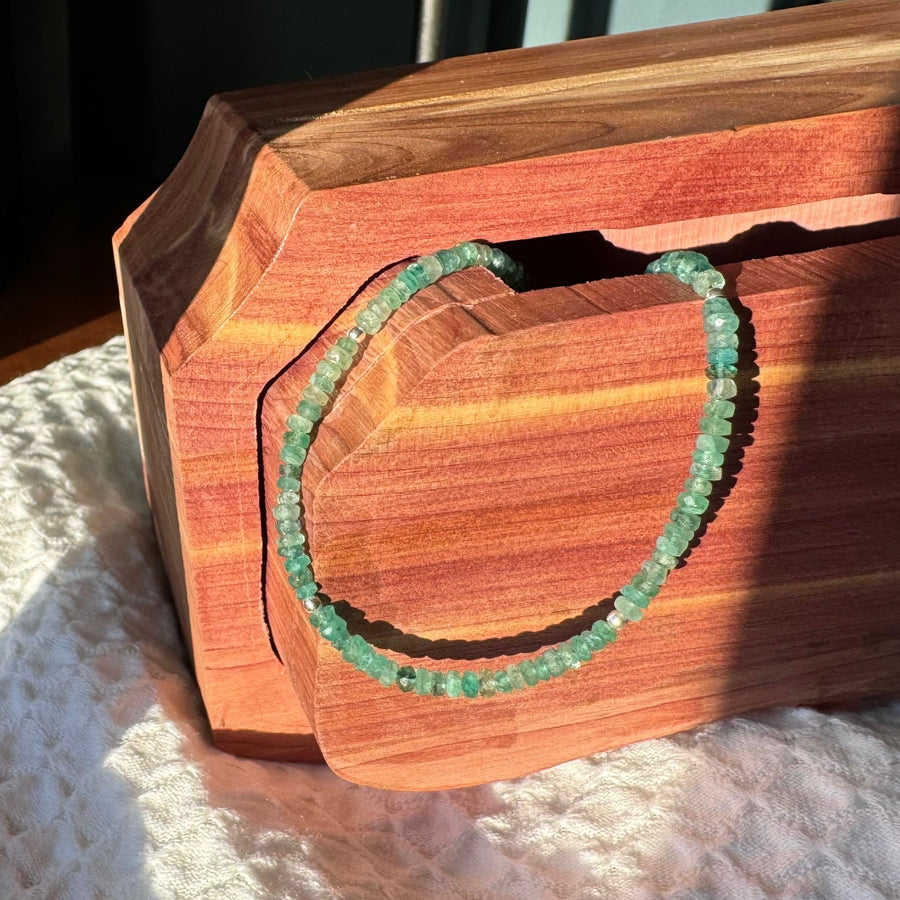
(721, 340)
(388, 674)
(288, 497)
(380, 307)
(712, 443)
(329, 370)
(692, 503)
(664, 559)
(687, 521)
(432, 267)
(698, 484)
(670, 545)
(487, 687)
(567, 655)
(454, 683)
(638, 598)
(348, 345)
(604, 630)
(555, 665)
(309, 410)
(707, 280)
(468, 252)
(709, 473)
(501, 680)
(394, 297)
(580, 647)
(287, 483)
(724, 321)
(339, 357)
(708, 457)
(300, 424)
(721, 389)
(315, 395)
(719, 409)
(529, 673)
(368, 321)
(630, 610)
(321, 382)
(424, 681)
(516, 679)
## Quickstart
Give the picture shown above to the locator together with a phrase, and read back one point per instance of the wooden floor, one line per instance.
(62, 297)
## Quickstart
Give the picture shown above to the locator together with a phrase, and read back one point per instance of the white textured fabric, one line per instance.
(109, 786)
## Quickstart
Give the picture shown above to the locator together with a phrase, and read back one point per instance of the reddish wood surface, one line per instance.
(290, 199)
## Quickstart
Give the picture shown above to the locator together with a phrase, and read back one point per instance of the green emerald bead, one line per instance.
(501, 680)
(594, 642)
(286, 511)
(411, 281)
(420, 273)
(726, 356)
(484, 254)
(529, 673)
(670, 545)
(300, 577)
(287, 497)
(715, 373)
(348, 345)
(541, 668)
(438, 684)
(394, 297)
(432, 267)
(368, 321)
(676, 531)
(289, 543)
(300, 424)
(450, 261)
(336, 634)
(317, 379)
(664, 559)
(424, 681)
(721, 321)
(322, 615)
(329, 370)
(516, 679)
(285, 483)
(352, 650)
(688, 521)
(697, 484)
(339, 357)
(287, 526)
(708, 457)
(712, 443)
(487, 685)
(647, 586)
(315, 395)
(406, 678)
(401, 289)
(692, 503)
(307, 590)
(470, 684)
(309, 410)
(630, 610)
(454, 683)
(721, 340)
(604, 630)
(366, 658)
(718, 409)
(567, 656)
(554, 662)
(286, 470)
(580, 647)
(375, 665)
(294, 439)
(297, 563)
(704, 473)
(707, 280)
(654, 571)
(714, 425)
(293, 455)
(380, 306)
(638, 598)
(689, 265)
(468, 252)
(713, 305)
(389, 671)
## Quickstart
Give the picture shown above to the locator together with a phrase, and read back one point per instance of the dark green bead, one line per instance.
(420, 274)
(336, 634)
(286, 470)
(540, 666)
(501, 680)
(721, 340)
(296, 579)
(439, 684)
(406, 678)
(580, 647)
(722, 356)
(297, 563)
(470, 684)
(454, 683)
(594, 642)
(716, 373)
(604, 630)
(450, 261)
(526, 667)
(721, 321)
(307, 590)
(288, 484)
(409, 280)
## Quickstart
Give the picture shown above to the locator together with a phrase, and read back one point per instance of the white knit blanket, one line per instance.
(109, 786)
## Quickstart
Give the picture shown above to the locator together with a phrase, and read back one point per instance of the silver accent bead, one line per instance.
(356, 333)
(616, 620)
(311, 604)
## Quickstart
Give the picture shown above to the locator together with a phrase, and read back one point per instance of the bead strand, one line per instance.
(720, 326)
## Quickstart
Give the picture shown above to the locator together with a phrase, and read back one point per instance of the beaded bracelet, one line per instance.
(720, 325)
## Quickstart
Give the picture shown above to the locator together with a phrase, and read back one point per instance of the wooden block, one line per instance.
(275, 226)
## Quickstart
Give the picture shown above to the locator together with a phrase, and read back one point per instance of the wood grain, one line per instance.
(290, 200)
